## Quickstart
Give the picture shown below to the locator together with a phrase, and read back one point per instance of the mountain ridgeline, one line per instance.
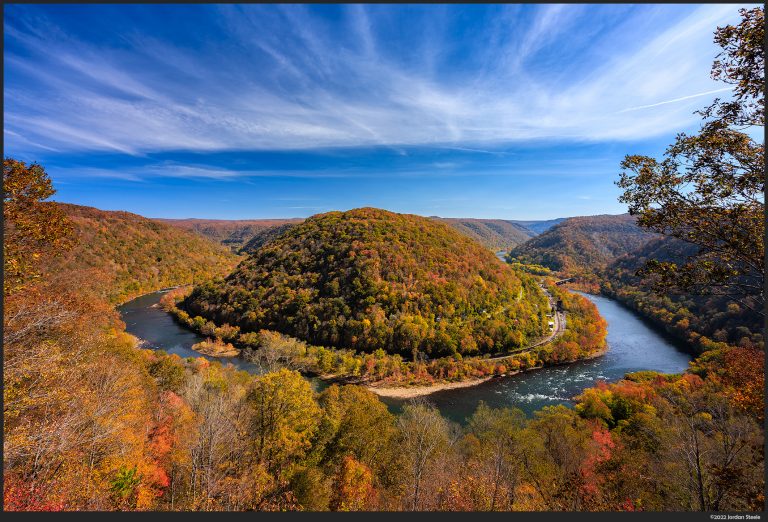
(264, 236)
(230, 233)
(540, 226)
(246, 235)
(583, 244)
(370, 279)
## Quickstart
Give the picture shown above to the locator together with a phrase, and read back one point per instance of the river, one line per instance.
(632, 346)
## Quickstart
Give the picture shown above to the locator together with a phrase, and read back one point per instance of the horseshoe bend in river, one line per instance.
(632, 346)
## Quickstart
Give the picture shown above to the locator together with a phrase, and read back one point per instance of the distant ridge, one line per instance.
(496, 234)
(539, 227)
(584, 244)
(244, 235)
(232, 233)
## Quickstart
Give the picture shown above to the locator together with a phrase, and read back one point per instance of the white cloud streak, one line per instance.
(282, 79)
(682, 98)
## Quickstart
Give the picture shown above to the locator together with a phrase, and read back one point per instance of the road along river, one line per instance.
(632, 346)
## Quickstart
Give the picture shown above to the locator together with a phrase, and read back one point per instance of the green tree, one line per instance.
(124, 485)
(285, 416)
(708, 189)
(357, 423)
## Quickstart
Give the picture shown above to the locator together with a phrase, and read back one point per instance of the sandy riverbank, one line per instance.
(409, 392)
(216, 349)
(222, 354)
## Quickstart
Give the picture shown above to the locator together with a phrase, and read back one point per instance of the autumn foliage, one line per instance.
(584, 338)
(93, 422)
(368, 279)
(32, 227)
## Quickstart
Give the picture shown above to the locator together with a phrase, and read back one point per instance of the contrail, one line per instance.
(674, 101)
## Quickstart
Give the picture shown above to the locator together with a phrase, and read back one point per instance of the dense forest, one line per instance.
(583, 244)
(369, 279)
(263, 236)
(198, 436)
(231, 233)
(119, 255)
(698, 320)
(584, 338)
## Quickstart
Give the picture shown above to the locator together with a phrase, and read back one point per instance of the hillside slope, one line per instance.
(231, 233)
(583, 244)
(119, 255)
(371, 279)
(696, 319)
(496, 234)
(265, 235)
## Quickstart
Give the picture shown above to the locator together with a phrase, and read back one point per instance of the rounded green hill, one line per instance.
(370, 279)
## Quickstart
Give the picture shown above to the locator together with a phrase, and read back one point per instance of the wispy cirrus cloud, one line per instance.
(295, 77)
(675, 100)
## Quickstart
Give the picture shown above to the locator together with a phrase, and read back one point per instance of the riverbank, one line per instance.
(418, 391)
(388, 375)
(410, 392)
(216, 348)
(633, 346)
(166, 289)
(679, 338)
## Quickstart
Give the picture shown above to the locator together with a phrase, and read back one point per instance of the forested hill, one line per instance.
(232, 233)
(496, 234)
(246, 235)
(583, 244)
(699, 320)
(370, 279)
(119, 255)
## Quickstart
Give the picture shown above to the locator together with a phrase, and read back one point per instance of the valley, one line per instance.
(403, 258)
(352, 331)
(423, 375)
(632, 346)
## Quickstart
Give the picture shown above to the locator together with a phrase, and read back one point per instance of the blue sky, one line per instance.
(259, 111)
